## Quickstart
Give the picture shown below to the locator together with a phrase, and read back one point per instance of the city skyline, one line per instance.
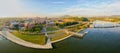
(59, 7)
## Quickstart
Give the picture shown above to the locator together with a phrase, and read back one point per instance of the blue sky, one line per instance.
(59, 7)
(48, 6)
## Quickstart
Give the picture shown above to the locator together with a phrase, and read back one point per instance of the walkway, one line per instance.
(76, 33)
(72, 33)
(19, 41)
(48, 38)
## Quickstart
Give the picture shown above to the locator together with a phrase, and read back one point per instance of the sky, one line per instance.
(12, 8)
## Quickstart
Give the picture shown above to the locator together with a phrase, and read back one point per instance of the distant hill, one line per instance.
(64, 16)
(115, 15)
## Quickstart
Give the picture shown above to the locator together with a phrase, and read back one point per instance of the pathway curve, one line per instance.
(19, 41)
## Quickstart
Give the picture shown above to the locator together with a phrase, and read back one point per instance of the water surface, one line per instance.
(98, 40)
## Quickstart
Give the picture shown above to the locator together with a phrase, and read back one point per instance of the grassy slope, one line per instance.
(37, 39)
(52, 29)
(58, 35)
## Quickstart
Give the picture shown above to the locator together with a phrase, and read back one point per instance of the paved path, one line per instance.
(19, 41)
(72, 33)
(48, 38)
(78, 34)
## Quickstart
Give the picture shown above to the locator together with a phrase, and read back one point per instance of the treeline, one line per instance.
(66, 24)
(37, 28)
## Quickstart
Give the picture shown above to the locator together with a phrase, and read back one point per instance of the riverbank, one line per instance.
(56, 35)
(66, 36)
(61, 39)
(16, 38)
(95, 39)
(19, 41)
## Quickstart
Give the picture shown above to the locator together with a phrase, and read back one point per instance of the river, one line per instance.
(98, 40)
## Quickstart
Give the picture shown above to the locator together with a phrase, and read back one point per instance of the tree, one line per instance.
(61, 25)
(83, 19)
(38, 28)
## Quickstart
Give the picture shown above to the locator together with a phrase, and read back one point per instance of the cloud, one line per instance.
(85, 8)
(58, 2)
(98, 9)
(10, 8)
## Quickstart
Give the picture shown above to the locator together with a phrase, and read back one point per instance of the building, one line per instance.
(14, 25)
(29, 25)
(51, 24)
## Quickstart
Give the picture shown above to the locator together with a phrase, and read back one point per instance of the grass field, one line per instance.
(58, 35)
(52, 28)
(37, 39)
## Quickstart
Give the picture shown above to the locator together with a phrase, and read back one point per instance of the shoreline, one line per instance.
(61, 39)
(66, 36)
(21, 42)
(24, 43)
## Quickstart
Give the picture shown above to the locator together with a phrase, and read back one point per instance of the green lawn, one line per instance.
(52, 28)
(37, 39)
(77, 27)
(58, 35)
